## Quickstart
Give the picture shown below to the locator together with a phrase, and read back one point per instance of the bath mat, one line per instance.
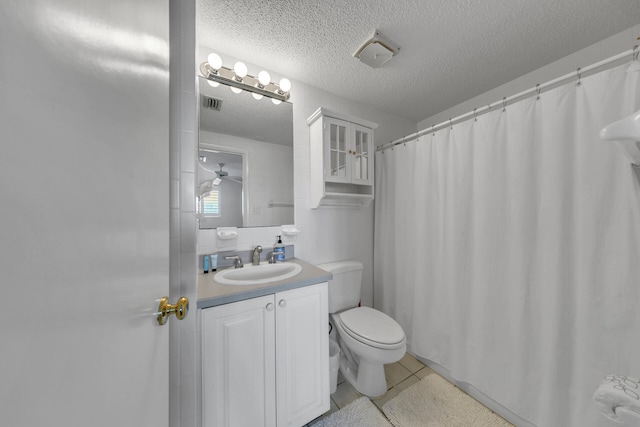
(435, 402)
(359, 413)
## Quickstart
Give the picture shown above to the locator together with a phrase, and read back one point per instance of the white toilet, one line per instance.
(368, 338)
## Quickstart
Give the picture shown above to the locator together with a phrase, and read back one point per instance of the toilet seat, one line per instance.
(372, 327)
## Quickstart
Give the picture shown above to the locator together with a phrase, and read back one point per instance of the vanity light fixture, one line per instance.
(239, 79)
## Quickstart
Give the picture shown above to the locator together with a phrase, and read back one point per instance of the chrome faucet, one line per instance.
(237, 262)
(255, 260)
(272, 258)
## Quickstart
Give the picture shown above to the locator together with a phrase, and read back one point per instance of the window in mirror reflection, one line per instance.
(211, 204)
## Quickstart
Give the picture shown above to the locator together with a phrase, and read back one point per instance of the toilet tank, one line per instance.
(344, 289)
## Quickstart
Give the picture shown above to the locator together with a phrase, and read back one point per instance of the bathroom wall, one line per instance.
(326, 234)
(604, 49)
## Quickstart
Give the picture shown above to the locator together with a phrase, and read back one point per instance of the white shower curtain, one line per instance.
(508, 248)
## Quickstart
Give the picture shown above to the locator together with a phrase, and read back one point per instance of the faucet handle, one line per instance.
(272, 258)
(237, 262)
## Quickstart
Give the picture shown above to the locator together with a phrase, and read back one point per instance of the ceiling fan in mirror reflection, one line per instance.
(239, 79)
(208, 185)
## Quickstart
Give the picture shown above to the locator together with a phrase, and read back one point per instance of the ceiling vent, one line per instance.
(376, 51)
(212, 103)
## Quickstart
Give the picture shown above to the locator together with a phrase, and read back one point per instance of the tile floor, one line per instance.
(399, 375)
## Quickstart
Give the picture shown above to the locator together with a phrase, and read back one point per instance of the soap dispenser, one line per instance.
(278, 249)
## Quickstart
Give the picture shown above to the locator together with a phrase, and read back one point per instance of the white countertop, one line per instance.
(211, 293)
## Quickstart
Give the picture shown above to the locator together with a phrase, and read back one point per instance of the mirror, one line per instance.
(245, 167)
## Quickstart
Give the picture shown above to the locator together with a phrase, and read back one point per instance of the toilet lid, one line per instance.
(371, 326)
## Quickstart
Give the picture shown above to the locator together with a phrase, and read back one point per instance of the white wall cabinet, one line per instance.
(265, 361)
(342, 162)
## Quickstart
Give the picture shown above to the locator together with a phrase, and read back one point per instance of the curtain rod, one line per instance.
(576, 75)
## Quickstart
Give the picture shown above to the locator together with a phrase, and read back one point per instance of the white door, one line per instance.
(84, 227)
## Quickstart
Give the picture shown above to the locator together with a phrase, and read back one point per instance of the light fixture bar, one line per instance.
(249, 83)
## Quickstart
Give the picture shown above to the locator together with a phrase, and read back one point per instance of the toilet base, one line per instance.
(368, 378)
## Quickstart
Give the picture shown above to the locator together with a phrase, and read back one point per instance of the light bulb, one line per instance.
(212, 83)
(214, 61)
(276, 101)
(235, 89)
(240, 69)
(285, 85)
(256, 96)
(264, 78)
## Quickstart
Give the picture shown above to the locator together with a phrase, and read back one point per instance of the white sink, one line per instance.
(257, 274)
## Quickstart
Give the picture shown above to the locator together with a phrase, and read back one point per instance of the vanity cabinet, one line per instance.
(265, 360)
(341, 159)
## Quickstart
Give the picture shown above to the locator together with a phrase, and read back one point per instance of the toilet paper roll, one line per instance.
(617, 391)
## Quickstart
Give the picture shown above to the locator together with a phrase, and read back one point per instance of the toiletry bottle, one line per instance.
(214, 262)
(278, 249)
(205, 263)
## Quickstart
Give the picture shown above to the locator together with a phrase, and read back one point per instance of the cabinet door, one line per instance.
(336, 151)
(238, 361)
(362, 155)
(302, 354)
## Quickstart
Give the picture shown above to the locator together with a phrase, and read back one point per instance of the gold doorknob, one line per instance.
(180, 309)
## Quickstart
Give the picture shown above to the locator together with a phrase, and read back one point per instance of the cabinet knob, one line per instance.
(282, 303)
(269, 307)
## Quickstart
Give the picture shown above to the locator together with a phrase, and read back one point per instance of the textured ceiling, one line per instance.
(451, 50)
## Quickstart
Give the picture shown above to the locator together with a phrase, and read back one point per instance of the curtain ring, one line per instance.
(579, 74)
(475, 115)
(538, 90)
(504, 104)
(450, 124)
(634, 53)
(433, 130)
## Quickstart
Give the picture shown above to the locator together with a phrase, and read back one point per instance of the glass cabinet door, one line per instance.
(337, 152)
(361, 156)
